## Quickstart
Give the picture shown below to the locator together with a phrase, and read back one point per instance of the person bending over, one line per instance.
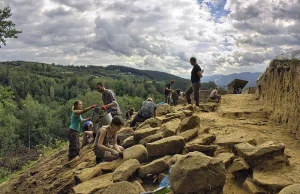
(103, 149)
(87, 132)
(147, 111)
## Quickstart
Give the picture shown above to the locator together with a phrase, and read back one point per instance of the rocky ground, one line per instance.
(232, 147)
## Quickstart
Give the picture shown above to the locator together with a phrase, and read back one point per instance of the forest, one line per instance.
(36, 101)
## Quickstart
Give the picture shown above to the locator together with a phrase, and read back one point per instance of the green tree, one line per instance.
(8, 121)
(7, 28)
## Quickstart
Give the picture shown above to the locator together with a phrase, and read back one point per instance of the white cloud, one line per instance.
(156, 35)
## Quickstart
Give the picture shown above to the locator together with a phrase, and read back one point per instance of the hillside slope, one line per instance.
(240, 118)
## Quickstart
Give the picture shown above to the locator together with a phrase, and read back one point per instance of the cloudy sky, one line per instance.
(226, 36)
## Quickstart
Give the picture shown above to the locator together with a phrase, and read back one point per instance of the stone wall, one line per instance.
(279, 89)
(249, 90)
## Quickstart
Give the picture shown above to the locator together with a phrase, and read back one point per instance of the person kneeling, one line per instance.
(104, 151)
(214, 95)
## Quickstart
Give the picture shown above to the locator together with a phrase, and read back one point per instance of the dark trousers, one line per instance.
(74, 144)
(138, 118)
(195, 87)
(167, 98)
(175, 98)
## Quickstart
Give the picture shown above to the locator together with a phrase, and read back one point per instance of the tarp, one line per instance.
(237, 83)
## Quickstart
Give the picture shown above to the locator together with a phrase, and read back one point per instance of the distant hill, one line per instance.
(154, 75)
(223, 80)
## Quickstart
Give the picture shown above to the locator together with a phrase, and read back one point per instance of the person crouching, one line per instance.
(103, 150)
(147, 111)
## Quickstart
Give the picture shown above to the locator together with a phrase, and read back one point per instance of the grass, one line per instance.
(6, 174)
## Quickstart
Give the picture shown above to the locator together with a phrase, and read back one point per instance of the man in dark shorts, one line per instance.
(196, 75)
(109, 100)
(168, 90)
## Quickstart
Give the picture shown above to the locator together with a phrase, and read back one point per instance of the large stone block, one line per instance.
(170, 128)
(138, 152)
(197, 173)
(143, 133)
(155, 167)
(152, 138)
(123, 172)
(166, 146)
(189, 123)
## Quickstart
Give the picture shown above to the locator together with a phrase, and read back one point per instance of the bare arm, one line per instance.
(80, 112)
(101, 139)
(200, 74)
(84, 120)
(116, 147)
(168, 89)
(155, 112)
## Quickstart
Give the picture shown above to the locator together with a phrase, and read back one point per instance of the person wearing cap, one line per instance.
(214, 95)
(168, 90)
(109, 100)
(147, 111)
(87, 132)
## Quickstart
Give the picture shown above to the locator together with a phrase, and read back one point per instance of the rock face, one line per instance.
(142, 133)
(155, 167)
(292, 189)
(189, 123)
(197, 173)
(278, 88)
(138, 152)
(170, 128)
(166, 146)
(256, 154)
(152, 138)
(121, 188)
(123, 172)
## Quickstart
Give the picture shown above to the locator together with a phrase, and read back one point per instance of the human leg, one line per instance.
(188, 93)
(74, 145)
(196, 89)
(137, 118)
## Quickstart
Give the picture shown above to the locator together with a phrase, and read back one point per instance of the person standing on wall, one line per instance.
(110, 103)
(196, 76)
(168, 90)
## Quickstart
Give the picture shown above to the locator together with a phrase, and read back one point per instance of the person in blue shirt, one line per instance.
(87, 132)
(74, 129)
